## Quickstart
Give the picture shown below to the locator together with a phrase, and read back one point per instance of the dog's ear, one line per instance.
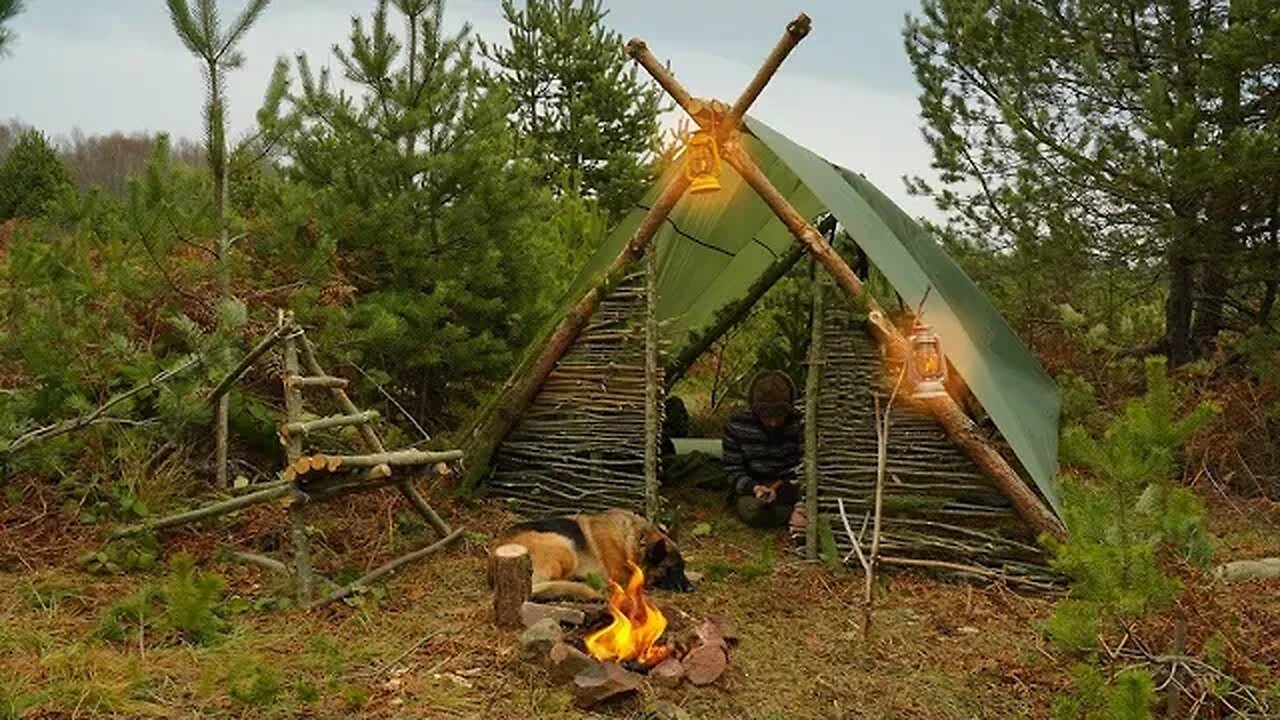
(651, 542)
(655, 552)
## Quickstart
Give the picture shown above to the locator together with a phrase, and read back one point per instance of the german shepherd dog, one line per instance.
(565, 551)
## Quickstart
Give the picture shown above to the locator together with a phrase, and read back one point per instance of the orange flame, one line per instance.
(637, 625)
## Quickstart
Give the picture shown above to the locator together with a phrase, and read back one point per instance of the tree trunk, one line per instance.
(1184, 199)
(1210, 302)
(1178, 307)
(293, 451)
(218, 160)
(1272, 283)
(512, 577)
(1221, 246)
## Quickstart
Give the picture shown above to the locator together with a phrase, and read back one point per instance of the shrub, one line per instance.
(1129, 696)
(1124, 516)
(253, 683)
(193, 599)
(31, 175)
(1126, 512)
(187, 604)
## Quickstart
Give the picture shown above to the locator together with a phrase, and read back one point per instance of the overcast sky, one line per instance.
(847, 92)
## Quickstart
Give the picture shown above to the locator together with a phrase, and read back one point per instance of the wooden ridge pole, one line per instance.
(729, 316)
(500, 416)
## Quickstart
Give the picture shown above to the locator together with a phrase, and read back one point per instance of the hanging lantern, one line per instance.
(928, 365)
(702, 163)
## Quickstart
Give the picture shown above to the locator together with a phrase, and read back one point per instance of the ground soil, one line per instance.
(423, 646)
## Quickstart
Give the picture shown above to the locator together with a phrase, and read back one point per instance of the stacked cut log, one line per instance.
(580, 446)
(940, 511)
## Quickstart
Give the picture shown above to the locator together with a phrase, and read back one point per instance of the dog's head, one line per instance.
(660, 557)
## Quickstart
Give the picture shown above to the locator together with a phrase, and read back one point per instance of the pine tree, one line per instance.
(8, 10)
(203, 35)
(1125, 511)
(581, 108)
(1090, 136)
(441, 227)
(31, 175)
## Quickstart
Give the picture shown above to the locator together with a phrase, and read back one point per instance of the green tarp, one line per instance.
(716, 245)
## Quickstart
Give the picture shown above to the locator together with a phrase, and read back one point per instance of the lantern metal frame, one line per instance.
(927, 383)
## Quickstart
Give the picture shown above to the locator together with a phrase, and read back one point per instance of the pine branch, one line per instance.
(247, 18)
(188, 31)
(94, 416)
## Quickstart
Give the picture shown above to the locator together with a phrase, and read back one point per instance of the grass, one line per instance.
(938, 650)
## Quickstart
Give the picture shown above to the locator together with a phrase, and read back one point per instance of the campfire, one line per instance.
(616, 648)
(636, 628)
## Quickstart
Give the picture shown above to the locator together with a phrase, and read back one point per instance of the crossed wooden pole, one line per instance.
(724, 122)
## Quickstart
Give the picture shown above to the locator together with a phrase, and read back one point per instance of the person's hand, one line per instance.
(767, 493)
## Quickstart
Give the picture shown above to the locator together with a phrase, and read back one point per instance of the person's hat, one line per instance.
(772, 394)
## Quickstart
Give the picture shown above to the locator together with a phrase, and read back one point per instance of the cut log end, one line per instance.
(512, 583)
(800, 27)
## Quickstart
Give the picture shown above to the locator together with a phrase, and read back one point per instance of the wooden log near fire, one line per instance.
(512, 584)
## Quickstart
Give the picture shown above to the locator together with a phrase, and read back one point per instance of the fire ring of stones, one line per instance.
(557, 637)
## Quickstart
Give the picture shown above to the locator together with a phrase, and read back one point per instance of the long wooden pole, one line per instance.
(652, 385)
(293, 451)
(957, 425)
(387, 569)
(796, 31)
(267, 494)
(728, 316)
(812, 385)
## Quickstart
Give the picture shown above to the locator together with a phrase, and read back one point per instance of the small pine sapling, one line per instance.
(1124, 511)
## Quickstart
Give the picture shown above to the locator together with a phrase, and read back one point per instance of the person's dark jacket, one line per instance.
(754, 456)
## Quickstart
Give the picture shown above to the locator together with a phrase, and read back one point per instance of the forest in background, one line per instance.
(1109, 175)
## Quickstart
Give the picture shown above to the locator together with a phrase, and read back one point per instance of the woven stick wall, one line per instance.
(580, 445)
(938, 507)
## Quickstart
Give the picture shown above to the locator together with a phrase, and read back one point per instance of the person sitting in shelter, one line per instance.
(762, 451)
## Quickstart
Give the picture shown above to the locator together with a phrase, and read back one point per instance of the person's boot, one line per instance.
(798, 524)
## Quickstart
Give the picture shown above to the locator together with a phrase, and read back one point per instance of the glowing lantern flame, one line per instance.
(703, 164)
(637, 625)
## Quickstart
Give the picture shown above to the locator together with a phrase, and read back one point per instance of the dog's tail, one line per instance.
(564, 590)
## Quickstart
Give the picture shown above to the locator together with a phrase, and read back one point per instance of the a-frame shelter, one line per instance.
(680, 263)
